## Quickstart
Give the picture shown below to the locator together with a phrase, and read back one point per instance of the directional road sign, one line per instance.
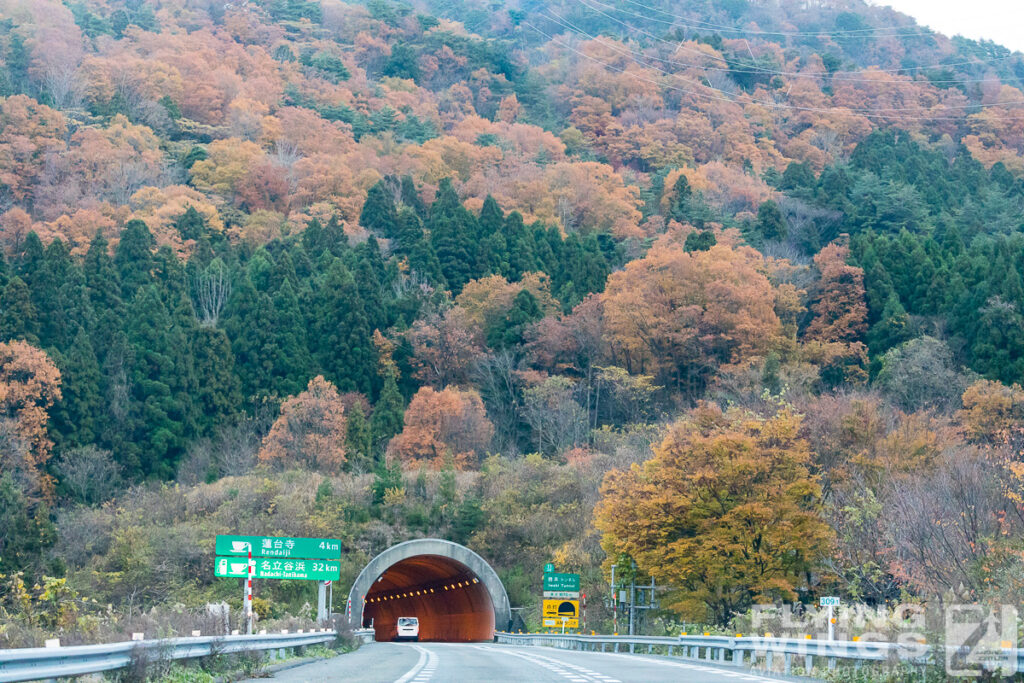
(561, 582)
(280, 547)
(307, 570)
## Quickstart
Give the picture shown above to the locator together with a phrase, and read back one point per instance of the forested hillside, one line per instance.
(384, 270)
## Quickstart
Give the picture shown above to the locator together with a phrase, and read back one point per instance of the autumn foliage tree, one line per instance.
(992, 411)
(444, 346)
(726, 512)
(29, 385)
(441, 424)
(311, 430)
(680, 315)
(841, 312)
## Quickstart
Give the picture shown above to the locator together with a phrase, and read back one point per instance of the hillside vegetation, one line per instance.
(732, 290)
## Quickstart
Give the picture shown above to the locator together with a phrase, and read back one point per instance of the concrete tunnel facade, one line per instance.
(454, 593)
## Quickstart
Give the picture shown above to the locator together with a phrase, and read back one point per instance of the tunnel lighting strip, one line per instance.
(420, 591)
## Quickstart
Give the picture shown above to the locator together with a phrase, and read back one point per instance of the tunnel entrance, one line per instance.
(454, 593)
(448, 599)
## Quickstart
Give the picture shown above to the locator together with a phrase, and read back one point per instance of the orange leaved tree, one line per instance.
(679, 315)
(29, 385)
(310, 431)
(441, 423)
(726, 513)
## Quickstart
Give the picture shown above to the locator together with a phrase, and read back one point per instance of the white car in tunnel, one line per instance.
(408, 628)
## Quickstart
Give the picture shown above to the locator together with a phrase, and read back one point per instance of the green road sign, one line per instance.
(281, 547)
(548, 568)
(561, 582)
(307, 570)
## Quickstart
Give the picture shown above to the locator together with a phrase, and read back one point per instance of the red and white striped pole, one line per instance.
(248, 594)
(584, 613)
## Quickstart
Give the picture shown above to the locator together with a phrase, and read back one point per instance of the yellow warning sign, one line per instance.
(557, 610)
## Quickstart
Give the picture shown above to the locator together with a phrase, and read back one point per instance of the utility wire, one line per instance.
(835, 75)
(645, 17)
(896, 31)
(725, 97)
(633, 55)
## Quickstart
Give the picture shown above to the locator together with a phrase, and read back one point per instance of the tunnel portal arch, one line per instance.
(454, 592)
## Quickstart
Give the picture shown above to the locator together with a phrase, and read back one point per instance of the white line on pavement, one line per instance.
(693, 667)
(424, 668)
(572, 672)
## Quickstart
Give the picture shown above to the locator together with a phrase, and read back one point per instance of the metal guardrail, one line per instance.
(44, 663)
(743, 651)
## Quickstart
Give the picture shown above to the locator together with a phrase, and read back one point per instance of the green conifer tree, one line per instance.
(249, 324)
(342, 332)
(75, 417)
(190, 225)
(359, 439)
(508, 331)
(892, 329)
(379, 214)
(522, 256)
(296, 366)
(388, 413)
(17, 313)
(452, 234)
(159, 385)
(411, 198)
(700, 240)
(133, 258)
(770, 222)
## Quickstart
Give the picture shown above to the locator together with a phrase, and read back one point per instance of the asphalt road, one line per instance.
(462, 663)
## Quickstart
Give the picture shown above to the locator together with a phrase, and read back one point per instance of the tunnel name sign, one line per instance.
(307, 570)
(554, 581)
(284, 548)
(561, 606)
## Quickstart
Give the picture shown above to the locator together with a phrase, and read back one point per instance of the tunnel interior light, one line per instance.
(476, 580)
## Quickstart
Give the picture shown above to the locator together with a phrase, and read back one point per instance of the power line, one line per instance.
(900, 70)
(898, 109)
(898, 31)
(867, 113)
(791, 74)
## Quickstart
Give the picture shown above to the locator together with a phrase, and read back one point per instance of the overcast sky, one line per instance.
(998, 20)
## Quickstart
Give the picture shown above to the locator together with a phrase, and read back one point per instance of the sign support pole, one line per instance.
(831, 624)
(615, 605)
(321, 601)
(632, 603)
(248, 594)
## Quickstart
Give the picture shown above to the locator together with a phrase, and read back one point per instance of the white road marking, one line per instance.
(572, 672)
(424, 669)
(604, 679)
(695, 667)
